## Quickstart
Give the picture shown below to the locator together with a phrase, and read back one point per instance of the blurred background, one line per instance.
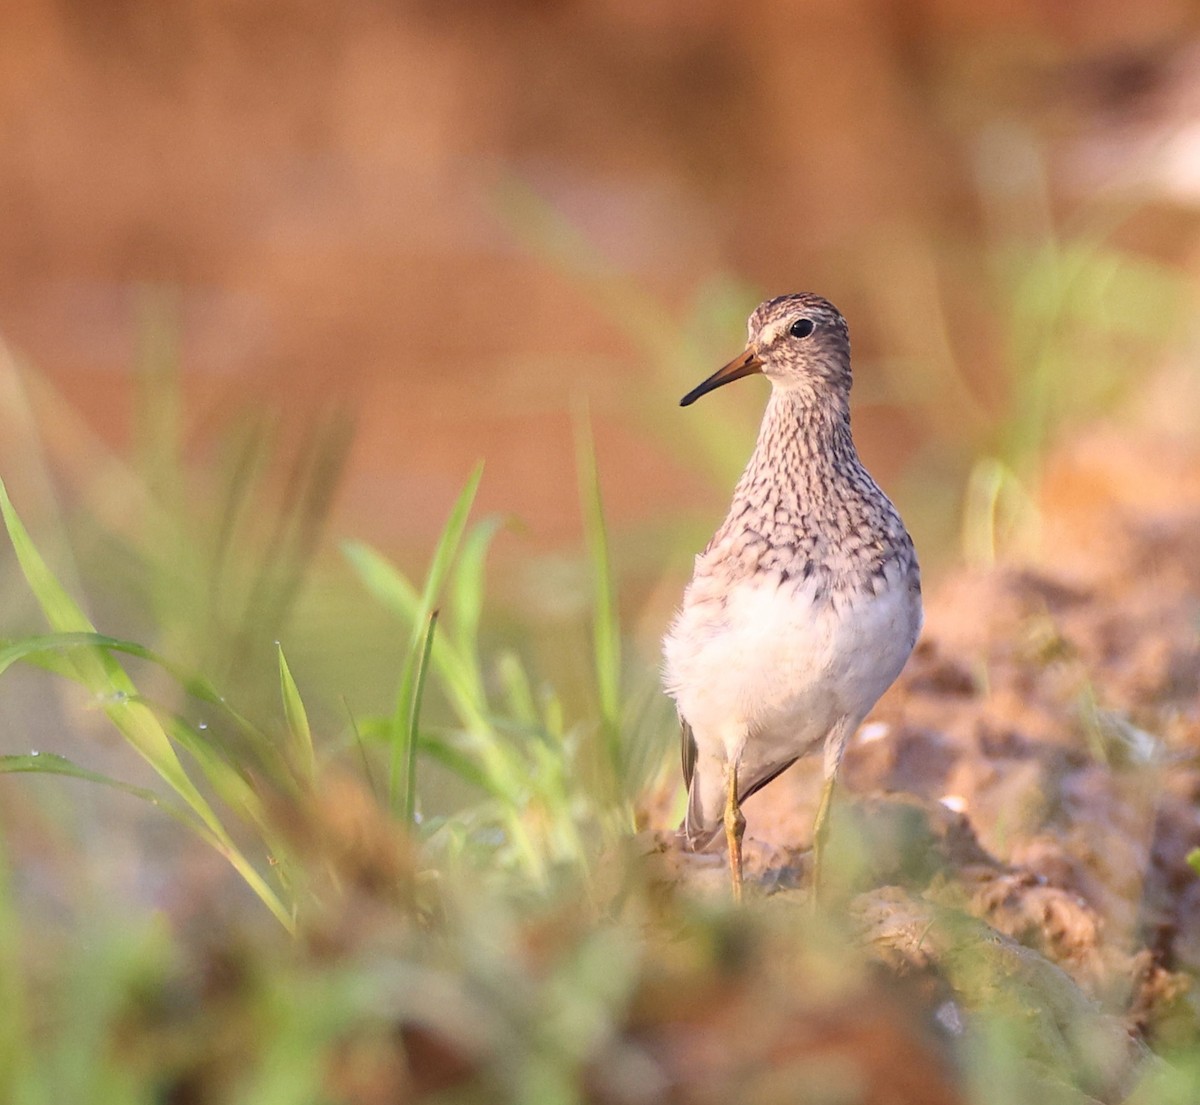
(350, 250)
(276, 276)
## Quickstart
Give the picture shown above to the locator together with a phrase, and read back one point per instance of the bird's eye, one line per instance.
(802, 327)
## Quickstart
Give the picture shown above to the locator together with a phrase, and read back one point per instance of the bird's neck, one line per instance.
(804, 464)
(804, 435)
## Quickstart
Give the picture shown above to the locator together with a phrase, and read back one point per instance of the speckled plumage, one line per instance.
(806, 602)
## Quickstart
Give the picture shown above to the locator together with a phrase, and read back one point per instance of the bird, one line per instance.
(805, 605)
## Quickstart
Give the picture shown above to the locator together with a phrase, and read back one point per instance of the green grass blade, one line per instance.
(391, 583)
(408, 811)
(606, 630)
(462, 686)
(297, 721)
(32, 647)
(227, 782)
(361, 748)
(466, 598)
(52, 652)
(518, 691)
(464, 766)
(276, 579)
(491, 762)
(50, 763)
(383, 580)
(36, 648)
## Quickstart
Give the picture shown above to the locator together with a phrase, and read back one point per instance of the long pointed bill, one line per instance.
(745, 365)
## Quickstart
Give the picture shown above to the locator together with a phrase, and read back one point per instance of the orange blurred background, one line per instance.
(457, 219)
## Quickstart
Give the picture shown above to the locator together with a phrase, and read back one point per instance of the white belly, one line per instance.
(764, 678)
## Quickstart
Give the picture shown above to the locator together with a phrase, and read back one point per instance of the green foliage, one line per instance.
(95, 668)
(551, 789)
(408, 788)
(554, 789)
(387, 584)
(298, 728)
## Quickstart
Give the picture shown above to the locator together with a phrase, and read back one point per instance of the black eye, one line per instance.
(802, 327)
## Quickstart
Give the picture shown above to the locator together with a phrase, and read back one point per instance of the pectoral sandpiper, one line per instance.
(807, 601)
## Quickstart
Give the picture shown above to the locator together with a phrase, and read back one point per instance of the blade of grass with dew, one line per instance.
(40, 650)
(51, 651)
(51, 763)
(439, 569)
(297, 721)
(408, 810)
(43, 648)
(606, 630)
(99, 671)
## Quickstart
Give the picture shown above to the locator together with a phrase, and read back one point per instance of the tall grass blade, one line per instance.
(466, 600)
(518, 691)
(462, 685)
(297, 721)
(382, 579)
(606, 630)
(408, 811)
(228, 783)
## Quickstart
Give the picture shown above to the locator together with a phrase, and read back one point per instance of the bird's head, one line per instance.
(799, 342)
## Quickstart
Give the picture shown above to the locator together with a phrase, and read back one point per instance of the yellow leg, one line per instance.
(735, 826)
(820, 835)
